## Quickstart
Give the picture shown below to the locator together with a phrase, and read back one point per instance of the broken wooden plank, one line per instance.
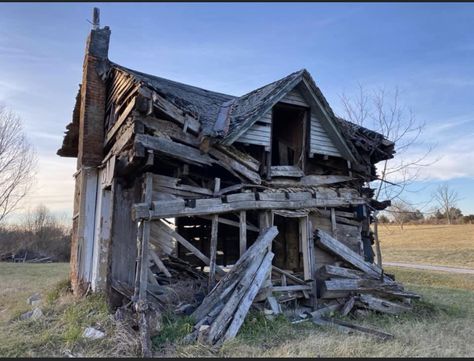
(168, 128)
(349, 328)
(174, 150)
(171, 110)
(381, 305)
(330, 271)
(331, 244)
(251, 175)
(338, 287)
(239, 156)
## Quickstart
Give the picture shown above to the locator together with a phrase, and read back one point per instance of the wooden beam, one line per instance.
(144, 268)
(213, 246)
(313, 267)
(161, 209)
(242, 233)
(304, 238)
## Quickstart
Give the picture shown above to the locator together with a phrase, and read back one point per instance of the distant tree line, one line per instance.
(40, 234)
(445, 211)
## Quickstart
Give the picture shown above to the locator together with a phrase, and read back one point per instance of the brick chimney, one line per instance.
(93, 93)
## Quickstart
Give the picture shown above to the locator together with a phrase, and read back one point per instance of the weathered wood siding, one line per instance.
(320, 143)
(294, 97)
(259, 133)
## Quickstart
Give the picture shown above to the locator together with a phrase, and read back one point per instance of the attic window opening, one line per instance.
(288, 124)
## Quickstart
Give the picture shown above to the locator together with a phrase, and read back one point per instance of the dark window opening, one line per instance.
(286, 245)
(288, 124)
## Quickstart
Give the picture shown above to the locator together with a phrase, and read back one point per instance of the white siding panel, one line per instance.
(320, 142)
(259, 133)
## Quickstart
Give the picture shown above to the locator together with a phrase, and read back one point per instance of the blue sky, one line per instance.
(427, 50)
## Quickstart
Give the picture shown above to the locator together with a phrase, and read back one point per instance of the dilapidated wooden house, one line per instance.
(177, 180)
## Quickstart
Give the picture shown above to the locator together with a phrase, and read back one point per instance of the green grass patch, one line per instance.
(174, 328)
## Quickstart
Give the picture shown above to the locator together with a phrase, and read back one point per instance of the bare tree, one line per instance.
(447, 200)
(384, 113)
(17, 162)
(45, 233)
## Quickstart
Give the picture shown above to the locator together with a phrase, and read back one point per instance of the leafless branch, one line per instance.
(383, 112)
(17, 162)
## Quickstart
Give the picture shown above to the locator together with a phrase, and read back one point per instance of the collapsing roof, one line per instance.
(224, 117)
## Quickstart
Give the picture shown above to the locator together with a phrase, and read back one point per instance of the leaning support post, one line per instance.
(377, 241)
(213, 250)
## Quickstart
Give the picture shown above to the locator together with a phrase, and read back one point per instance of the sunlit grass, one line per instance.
(429, 244)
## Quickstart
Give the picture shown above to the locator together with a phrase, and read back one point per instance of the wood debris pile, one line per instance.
(354, 285)
(223, 310)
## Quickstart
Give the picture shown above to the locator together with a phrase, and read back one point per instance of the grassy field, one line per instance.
(429, 244)
(441, 324)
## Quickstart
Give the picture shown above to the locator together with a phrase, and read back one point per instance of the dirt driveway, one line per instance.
(430, 267)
